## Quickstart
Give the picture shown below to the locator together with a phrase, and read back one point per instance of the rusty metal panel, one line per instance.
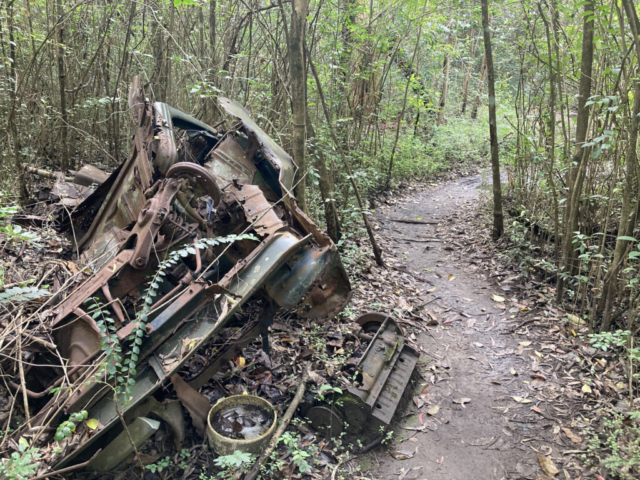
(276, 155)
(259, 211)
(89, 175)
(229, 162)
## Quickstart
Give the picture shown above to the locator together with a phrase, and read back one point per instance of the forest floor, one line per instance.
(503, 391)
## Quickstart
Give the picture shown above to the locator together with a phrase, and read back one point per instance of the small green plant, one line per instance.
(184, 454)
(327, 389)
(66, 428)
(21, 464)
(387, 435)
(22, 294)
(231, 462)
(298, 456)
(620, 339)
(14, 233)
(122, 366)
(18, 234)
(160, 465)
(617, 446)
(608, 340)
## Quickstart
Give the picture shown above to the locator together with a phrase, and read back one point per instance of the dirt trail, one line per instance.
(479, 431)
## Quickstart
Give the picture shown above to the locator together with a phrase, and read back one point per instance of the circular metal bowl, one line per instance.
(226, 446)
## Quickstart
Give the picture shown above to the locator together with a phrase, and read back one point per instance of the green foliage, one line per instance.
(620, 339)
(327, 389)
(22, 294)
(617, 446)
(235, 460)
(22, 464)
(66, 428)
(7, 211)
(299, 456)
(461, 141)
(608, 340)
(160, 465)
(14, 233)
(17, 234)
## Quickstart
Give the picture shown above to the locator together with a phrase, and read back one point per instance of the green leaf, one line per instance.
(92, 423)
(22, 294)
(23, 444)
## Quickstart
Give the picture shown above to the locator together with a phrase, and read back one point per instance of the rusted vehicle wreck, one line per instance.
(178, 239)
(195, 225)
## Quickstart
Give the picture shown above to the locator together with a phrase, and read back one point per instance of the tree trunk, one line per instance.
(476, 101)
(325, 184)
(498, 227)
(167, 64)
(552, 131)
(298, 86)
(467, 78)
(159, 74)
(212, 29)
(628, 213)
(377, 253)
(15, 145)
(64, 164)
(442, 105)
(404, 103)
(578, 166)
(202, 54)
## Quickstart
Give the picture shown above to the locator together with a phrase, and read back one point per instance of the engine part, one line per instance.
(384, 374)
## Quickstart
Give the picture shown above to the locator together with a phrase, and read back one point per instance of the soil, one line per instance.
(471, 415)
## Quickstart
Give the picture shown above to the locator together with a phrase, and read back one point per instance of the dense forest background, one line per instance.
(365, 95)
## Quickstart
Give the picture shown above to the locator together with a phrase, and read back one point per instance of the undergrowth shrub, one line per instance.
(617, 446)
(459, 142)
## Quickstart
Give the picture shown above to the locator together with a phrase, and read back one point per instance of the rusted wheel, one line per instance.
(200, 175)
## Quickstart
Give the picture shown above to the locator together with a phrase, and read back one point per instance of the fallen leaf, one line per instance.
(93, 423)
(548, 466)
(433, 410)
(525, 344)
(497, 298)
(576, 320)
(586, 388)
(572, 436)
(461, 401)
(521, 400)
(401, 454)
(482, 442)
